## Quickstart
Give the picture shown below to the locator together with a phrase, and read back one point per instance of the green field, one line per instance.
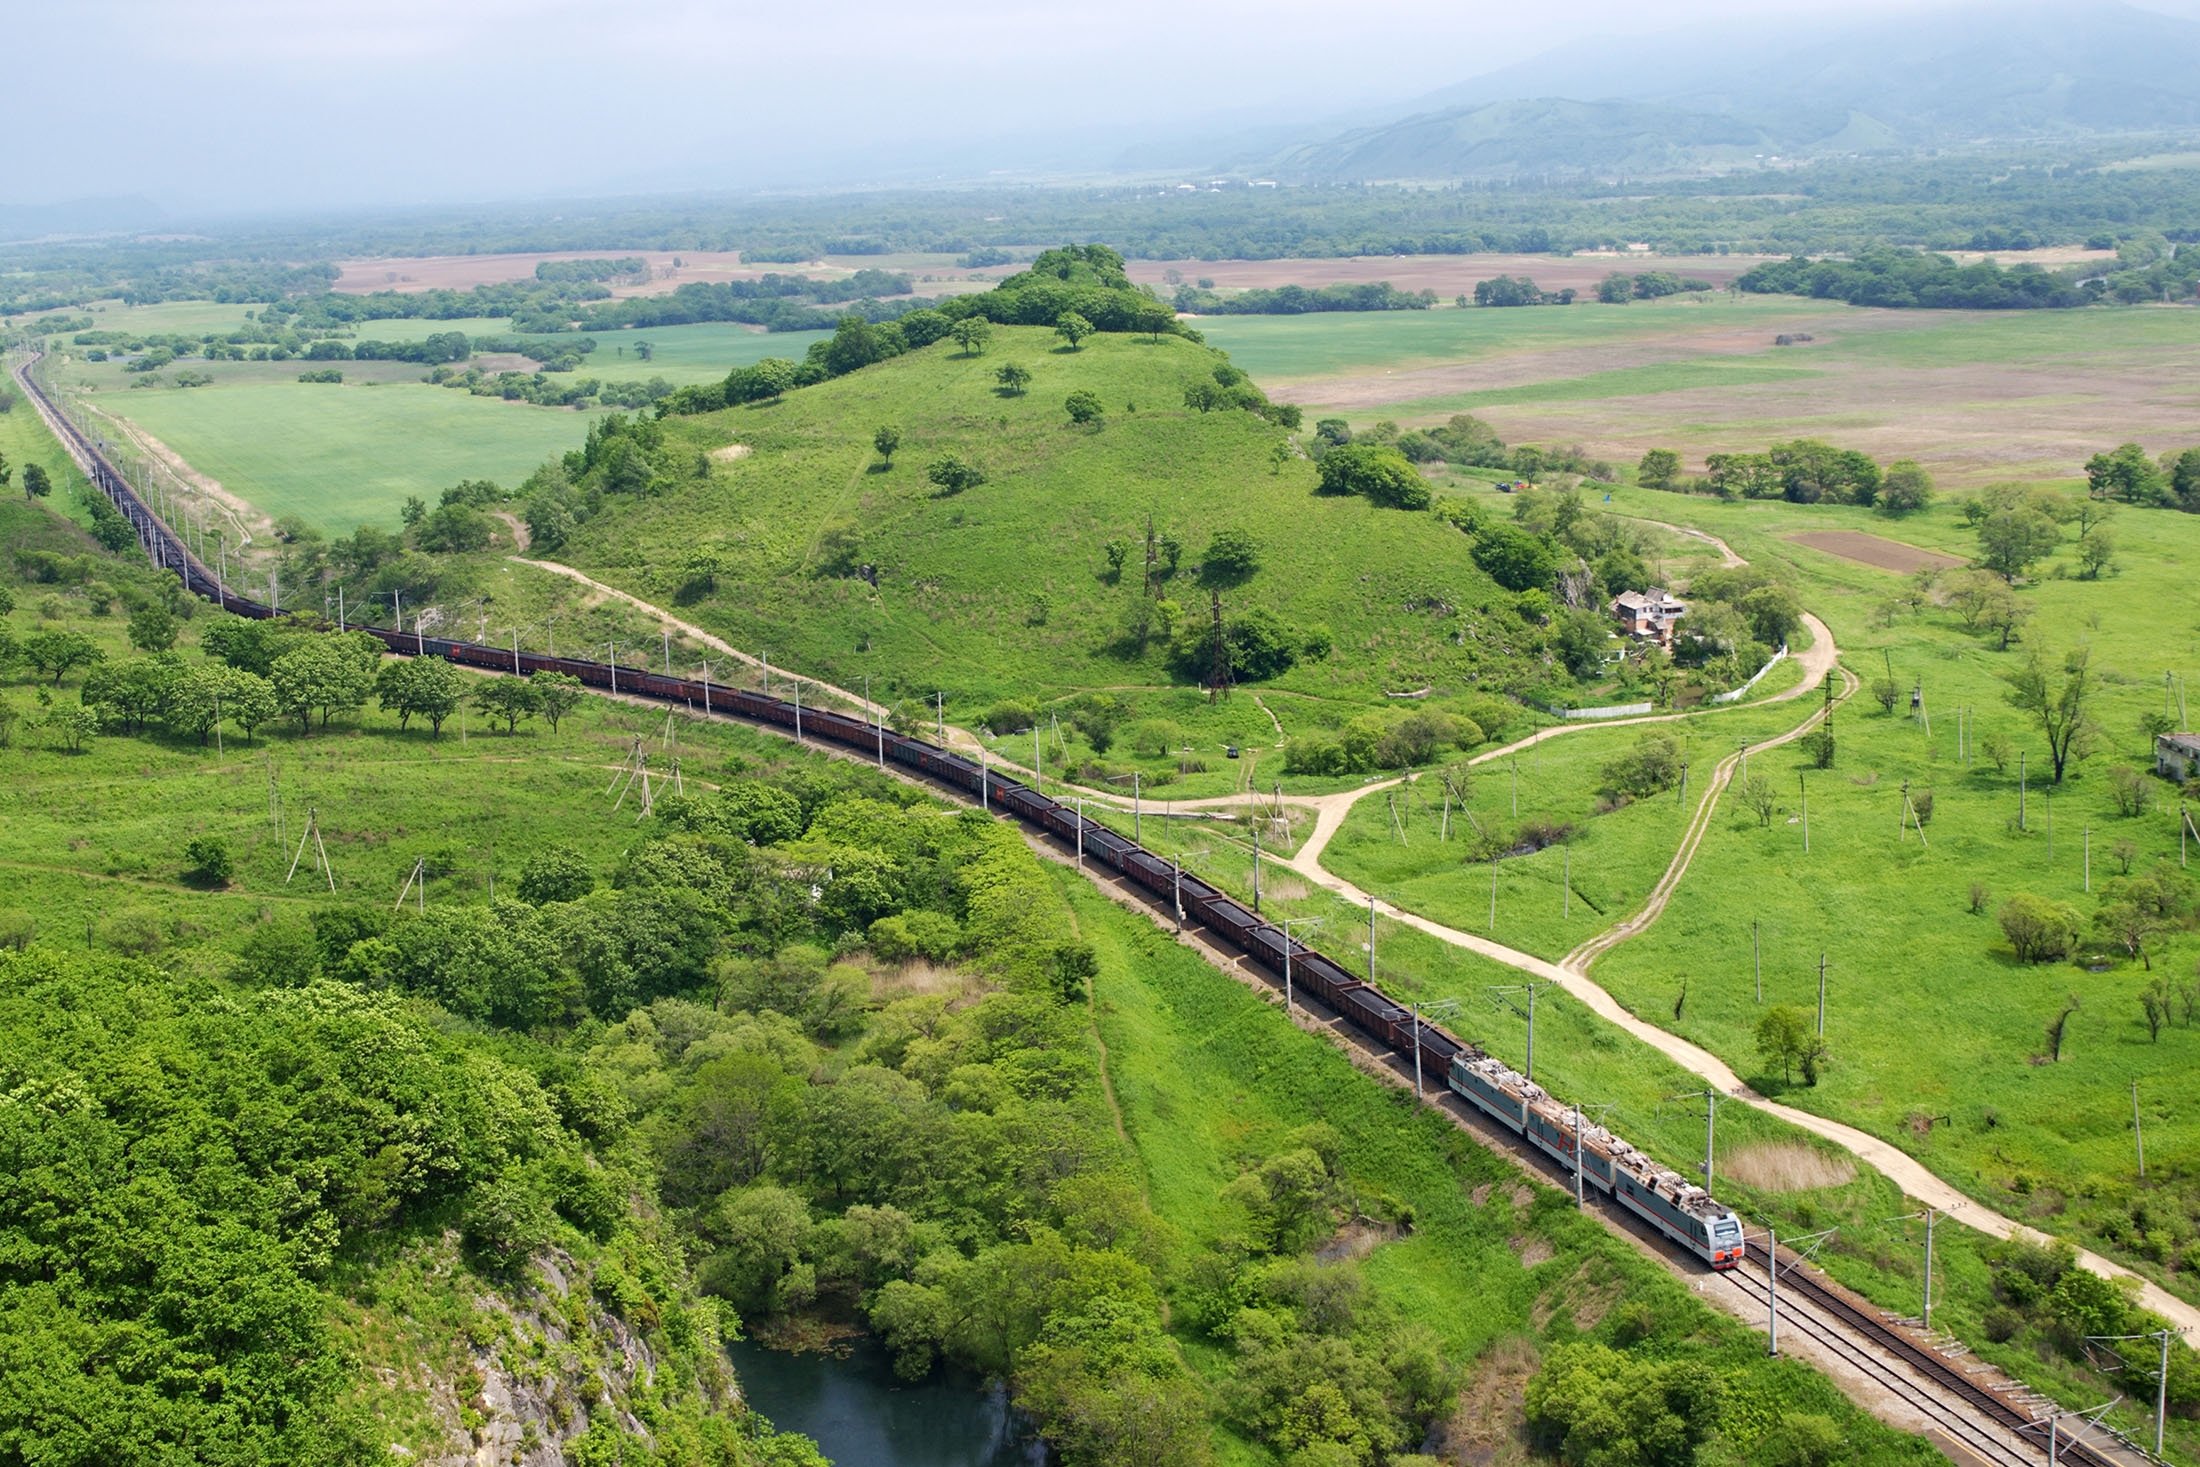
(345, 456)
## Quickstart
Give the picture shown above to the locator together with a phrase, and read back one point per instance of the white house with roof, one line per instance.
(1649, 616)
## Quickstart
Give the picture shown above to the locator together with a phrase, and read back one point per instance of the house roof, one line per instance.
(1654, 599)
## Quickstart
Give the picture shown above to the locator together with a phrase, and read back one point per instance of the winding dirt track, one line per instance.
(1572, 972)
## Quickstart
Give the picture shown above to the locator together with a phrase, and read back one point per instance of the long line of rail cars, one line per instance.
(1662, 1197)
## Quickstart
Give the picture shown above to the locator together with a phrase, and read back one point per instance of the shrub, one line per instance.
(207, 861)
(2038, 930)
(1010, 715)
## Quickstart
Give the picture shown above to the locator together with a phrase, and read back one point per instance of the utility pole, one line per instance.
(2020, 790)
(1080, 833)
(1493, 896)
(668, 651)
(1804, 785)
(2138, 1140)
(1444, 1006)
(798, 710)
(613, 648)
(1757, 960)
(1710, 1125)
(1137, 825)
(1038, 775)
(1930, 1216)
(1256, 866)
(1503, 998)
(1821, 995)
(1371, 939)
(1286, 926)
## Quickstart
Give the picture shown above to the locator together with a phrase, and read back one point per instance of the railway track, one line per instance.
(1886, 1357)
(1913, 1371)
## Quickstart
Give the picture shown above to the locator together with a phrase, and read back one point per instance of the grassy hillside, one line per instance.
(1002, 590)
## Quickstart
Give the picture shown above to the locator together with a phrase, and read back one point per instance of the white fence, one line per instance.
(1737, 694)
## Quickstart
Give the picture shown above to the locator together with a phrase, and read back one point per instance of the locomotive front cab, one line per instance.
(1727, 1247)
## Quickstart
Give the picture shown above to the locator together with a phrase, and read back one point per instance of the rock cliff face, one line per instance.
(467, 1372)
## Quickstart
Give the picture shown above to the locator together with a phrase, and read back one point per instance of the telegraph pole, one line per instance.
(1503, 998)
(1371, 939)
(1286, 927)
(1930, 1216)
(1821, 995)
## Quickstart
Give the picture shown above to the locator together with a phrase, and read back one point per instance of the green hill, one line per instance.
(1003, 590)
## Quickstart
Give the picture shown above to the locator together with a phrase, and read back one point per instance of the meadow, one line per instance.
(1003, 590)
(343, 455)
(1975, 396)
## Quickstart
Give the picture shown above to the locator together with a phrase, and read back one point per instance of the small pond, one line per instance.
(855, 1408)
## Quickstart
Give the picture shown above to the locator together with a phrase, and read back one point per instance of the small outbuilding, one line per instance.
(1649, 616)
(2177, 756)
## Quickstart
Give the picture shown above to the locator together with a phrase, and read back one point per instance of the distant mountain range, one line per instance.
(1718, 96)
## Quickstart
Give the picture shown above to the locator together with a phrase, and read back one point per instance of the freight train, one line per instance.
(1660, 1196)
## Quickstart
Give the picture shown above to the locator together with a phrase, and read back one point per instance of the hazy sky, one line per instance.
(277, 104)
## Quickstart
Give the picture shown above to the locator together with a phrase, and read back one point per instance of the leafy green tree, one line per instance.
(1657, 468)
(130, 695)
(426, 687)
(2011, 541)
(1084, 409)
(1581, 639)
(560, 694)
(1073, 329)
(1784, 1038)
(2096, 555)
(1231, 558)
(973, 334)
(7, 471)
(1014, 379)
(2039, 930)
(2126, 473)
(508, 699)
(555, 873)
(1514, 558)
(1153, 318)
(2063, 707)
(1616, 289)
(953, 476)
(72, 723)
(1379, 473)
(59, 653)
(322, 676)
(1906, 489)
(1597, 1406)
(153, 627)
(413, 511)
(35, 483)
(207, 862)
(886, 440)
